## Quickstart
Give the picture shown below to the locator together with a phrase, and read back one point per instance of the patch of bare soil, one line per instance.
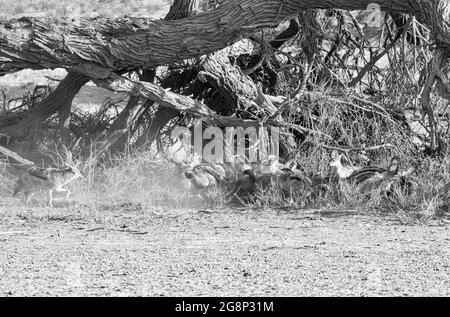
(125, 251)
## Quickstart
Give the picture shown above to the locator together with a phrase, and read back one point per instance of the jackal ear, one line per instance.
(343, 159)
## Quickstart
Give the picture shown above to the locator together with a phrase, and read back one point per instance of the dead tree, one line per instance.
(103, 49)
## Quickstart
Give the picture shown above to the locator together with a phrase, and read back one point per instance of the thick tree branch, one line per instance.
(117, 44)
(435, 67)
(188, 105)
(60, 99)
(178, 10)
(238, 89)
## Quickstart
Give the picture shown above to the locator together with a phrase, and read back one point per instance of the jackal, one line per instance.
(343, 171)
(51, 179)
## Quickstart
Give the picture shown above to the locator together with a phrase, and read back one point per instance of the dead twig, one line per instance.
(355, 149)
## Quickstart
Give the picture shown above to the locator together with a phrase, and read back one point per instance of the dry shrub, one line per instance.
(141, 178)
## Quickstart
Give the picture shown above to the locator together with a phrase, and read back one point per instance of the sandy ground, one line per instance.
(125, 251)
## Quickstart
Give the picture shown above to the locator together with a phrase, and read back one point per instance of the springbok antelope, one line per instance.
(51, 179)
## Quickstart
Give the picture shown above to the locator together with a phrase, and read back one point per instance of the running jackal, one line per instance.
(51, 179)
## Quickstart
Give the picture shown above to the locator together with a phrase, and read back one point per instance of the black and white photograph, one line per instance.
(219, 149)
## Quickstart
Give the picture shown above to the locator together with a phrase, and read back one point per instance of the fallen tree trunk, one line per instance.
(238, 89)
(100, 48)
(156, 93)
(178, 10)
(191, 106)
(89, 45)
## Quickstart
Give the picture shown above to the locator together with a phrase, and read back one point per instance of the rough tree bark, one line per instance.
(188, 105)
(435, 66)
(281, 38)
(65, 105)
(178, 10)
(96, 47)
(181, 9)
(238, 89)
